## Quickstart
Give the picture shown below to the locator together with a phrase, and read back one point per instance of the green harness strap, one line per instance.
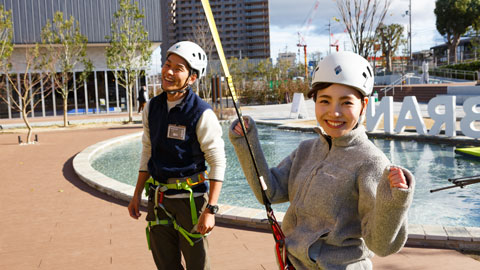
(185, 186)
(162, 188)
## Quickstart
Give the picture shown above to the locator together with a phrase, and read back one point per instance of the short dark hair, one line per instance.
(193, 71)
(318, 86)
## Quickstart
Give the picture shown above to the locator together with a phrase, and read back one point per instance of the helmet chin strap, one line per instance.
(181, 90)
(172, 92)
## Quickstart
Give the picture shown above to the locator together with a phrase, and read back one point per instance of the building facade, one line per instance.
(243, 26)
(289, 57)
(100, 93)
(466, 51)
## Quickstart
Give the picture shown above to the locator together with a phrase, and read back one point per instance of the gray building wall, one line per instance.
(94, 17)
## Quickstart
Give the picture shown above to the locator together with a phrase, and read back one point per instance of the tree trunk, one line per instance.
(130, 103)
(27, 123)
(65, 108)
(388, 59)
(452, 57)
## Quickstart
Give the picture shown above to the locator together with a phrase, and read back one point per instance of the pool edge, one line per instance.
(432, 236)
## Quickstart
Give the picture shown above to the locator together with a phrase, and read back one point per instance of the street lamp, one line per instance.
(409, 13)
(410, 26)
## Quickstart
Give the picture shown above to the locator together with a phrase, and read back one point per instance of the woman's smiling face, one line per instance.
(338, 109)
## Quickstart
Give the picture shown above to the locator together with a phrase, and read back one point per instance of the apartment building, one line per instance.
(243, 26)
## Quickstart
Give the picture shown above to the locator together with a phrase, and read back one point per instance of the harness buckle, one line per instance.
(201, 179)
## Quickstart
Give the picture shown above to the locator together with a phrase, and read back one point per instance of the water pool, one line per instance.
(432, 165)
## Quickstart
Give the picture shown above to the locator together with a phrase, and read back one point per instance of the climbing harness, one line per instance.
(275, 227)
(159, 189)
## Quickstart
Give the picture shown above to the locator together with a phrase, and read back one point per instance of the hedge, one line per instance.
(471, 66)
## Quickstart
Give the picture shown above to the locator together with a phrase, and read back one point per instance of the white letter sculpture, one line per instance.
(471, 115)
(410, 104)
(385, 108)
(439, 119)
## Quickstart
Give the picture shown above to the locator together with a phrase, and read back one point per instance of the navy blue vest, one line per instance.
(170, 157)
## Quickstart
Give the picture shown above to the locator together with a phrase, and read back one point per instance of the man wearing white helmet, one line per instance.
(347, 201)
(181, 133)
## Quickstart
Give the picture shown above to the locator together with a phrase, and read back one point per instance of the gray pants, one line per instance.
(168, 244)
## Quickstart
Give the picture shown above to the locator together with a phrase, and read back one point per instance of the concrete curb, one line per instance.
(97, 180)
(136, 119)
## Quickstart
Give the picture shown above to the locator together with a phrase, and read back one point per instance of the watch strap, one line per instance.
(213, 208)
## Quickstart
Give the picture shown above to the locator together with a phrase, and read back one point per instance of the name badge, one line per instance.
(176, 132)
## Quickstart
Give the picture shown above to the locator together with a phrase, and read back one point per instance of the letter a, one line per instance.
(410, 104)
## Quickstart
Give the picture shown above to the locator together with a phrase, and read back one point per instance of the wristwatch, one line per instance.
(213, 208)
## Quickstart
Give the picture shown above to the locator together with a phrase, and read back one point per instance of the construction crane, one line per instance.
(304, 29)
(334, 44)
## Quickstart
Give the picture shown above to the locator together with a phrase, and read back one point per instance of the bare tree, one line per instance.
(361, 19)
(202, 36)
(130, 49)
(6, 48)
(66, 44)
(390, 37)
(30, 85)
(24, 86)
(6, 37)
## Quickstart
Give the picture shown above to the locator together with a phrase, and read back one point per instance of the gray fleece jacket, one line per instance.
(342, 209)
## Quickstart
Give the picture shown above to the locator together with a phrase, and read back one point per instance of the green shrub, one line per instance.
(261, 92)
(470, 66)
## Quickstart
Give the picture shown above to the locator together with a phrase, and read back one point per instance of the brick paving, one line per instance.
(52, 220)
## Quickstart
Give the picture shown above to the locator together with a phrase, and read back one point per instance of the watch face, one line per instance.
(213, 208)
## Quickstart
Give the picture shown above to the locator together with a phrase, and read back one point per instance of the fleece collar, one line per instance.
(352, 138)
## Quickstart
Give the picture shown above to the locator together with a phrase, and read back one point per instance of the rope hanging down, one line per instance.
(275, 227)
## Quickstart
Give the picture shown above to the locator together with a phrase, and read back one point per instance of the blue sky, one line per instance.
(287, 17)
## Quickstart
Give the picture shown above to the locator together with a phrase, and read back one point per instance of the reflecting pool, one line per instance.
(432, 165)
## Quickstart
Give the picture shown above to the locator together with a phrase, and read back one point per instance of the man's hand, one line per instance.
(133, 208)
(206, 222)
(134, 205)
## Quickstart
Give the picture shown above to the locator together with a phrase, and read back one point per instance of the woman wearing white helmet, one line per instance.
(347, 69)
(180, 134)
(347, 201)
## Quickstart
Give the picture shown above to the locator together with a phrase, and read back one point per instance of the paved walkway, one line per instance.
(52, 220)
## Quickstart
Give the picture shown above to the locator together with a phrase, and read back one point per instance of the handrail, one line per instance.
(456, 73)
(397, 82)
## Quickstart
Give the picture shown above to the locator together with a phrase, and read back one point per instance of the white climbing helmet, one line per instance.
(193, 54)
(345, 68)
